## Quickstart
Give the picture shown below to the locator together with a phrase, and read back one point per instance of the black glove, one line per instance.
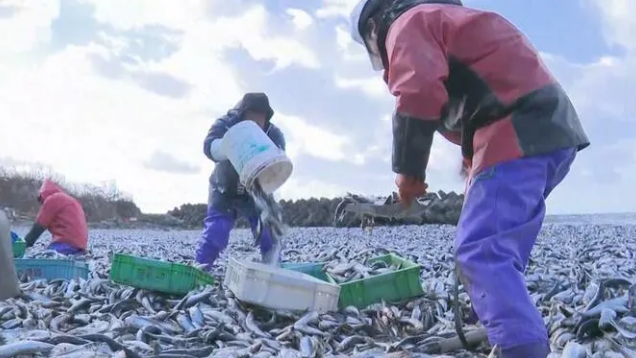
(36, 231)
(29, 242)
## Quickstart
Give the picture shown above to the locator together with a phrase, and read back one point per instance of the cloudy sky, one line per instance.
(125, 90)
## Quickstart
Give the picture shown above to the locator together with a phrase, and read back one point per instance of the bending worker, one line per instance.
(475, 78)
(64, 217)
(227, 196)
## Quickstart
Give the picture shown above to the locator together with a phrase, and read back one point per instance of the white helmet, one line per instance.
(354, 23)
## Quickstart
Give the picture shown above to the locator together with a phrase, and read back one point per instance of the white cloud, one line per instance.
(131, 14)
(618, 20)
(336, 8)
(250, 32)
(91, 128)
(300, 18)
(343, 38)
(371, 86)
(298, 188)
(308, 139)
(604, 87)
(349, 50)
(380, 147)
(29, 26)
(446, 157)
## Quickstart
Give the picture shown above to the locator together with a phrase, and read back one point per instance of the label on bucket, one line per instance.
(247, 151)
(252, 153)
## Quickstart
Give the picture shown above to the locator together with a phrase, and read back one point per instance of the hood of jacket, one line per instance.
(49, 188)
(256, 101)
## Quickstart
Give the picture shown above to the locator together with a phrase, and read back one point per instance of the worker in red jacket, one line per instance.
(64, 217)
(476, 79)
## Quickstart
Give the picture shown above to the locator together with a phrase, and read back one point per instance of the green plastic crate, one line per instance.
(51, 269)
(392, 286)
(313, 269)
(19, 248)
(157, 275)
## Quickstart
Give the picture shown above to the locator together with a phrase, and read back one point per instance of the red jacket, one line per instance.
(63, 216)
(442, 59)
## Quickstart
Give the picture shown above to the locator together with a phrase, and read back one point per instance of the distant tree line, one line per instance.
(19, 191)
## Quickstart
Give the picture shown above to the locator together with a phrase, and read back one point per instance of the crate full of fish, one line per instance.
(18, 245)
(388, 277)
(314, 269)
(51, 269)
(278, 288)
(156, 275)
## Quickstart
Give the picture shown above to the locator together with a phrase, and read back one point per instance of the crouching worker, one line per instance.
(476, 79)
(227, 197)
(64, 217)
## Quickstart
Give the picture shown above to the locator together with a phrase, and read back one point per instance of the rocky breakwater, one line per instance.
(433, 208)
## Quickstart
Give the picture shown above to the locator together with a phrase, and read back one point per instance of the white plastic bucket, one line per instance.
(254, 155)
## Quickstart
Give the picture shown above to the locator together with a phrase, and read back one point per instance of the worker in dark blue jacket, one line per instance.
(227, 196)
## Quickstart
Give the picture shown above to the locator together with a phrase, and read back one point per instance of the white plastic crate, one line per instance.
(277, 288)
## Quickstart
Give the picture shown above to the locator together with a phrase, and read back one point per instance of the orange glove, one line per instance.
(409, 189)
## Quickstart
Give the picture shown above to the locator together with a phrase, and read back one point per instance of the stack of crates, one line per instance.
(392, 286)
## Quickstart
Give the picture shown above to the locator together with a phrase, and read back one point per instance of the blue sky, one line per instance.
(125, 90)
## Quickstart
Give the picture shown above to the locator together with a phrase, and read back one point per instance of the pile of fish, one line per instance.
(581, 278)
(358, 267)
(433, 208)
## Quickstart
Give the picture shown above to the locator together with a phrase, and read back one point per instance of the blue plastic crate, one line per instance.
(51, 269)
